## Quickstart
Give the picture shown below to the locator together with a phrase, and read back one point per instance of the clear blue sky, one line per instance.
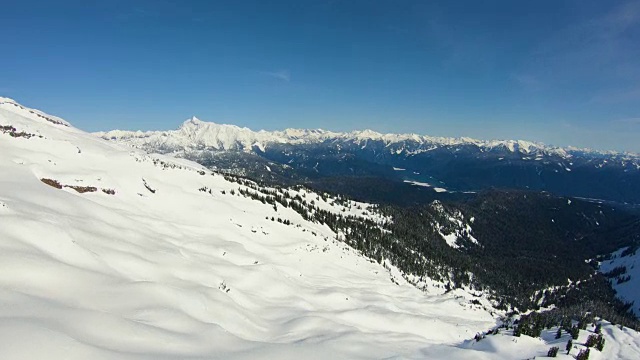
(560, 72)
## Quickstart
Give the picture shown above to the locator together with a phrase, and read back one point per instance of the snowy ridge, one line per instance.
(197, 134)
(7, 103)
(111, 253)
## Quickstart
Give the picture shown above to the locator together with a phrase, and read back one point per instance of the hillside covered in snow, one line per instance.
(107, 252)
(624, 276)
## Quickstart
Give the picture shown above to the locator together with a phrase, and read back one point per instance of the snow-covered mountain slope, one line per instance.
(109, 253)
(624, 275)
(196, 134)
(620, 343)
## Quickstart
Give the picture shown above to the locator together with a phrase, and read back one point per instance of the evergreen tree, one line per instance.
(553, 352)
(559, 333)
(569, 346)
(575, 332)
(583, 355)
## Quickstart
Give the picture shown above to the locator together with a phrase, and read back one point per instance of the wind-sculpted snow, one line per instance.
(159, 269)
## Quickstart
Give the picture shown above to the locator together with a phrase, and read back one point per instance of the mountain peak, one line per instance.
(367, 134)
(194, 121)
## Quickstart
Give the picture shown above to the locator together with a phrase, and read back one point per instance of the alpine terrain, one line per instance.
(128, 249)
(416, 167)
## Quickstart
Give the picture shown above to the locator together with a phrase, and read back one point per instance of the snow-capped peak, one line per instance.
(192, 121)
(367, 134)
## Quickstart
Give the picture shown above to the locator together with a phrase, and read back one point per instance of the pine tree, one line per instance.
(592, 340)
(582, 324)
(553, 352)
(583, 355)
(575, 332)
(569, 345)
(559, 333)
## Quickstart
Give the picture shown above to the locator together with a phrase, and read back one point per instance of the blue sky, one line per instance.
(559, 72)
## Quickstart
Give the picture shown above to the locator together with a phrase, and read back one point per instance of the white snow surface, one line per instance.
(424, 184)
(417, 183)
(628, 291)
(161, 270)
(619, 344)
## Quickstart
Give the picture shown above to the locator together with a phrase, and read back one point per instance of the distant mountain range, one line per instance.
(196, 134)
(436, 164)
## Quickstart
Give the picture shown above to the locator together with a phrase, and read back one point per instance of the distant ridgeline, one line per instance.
(414, 168)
